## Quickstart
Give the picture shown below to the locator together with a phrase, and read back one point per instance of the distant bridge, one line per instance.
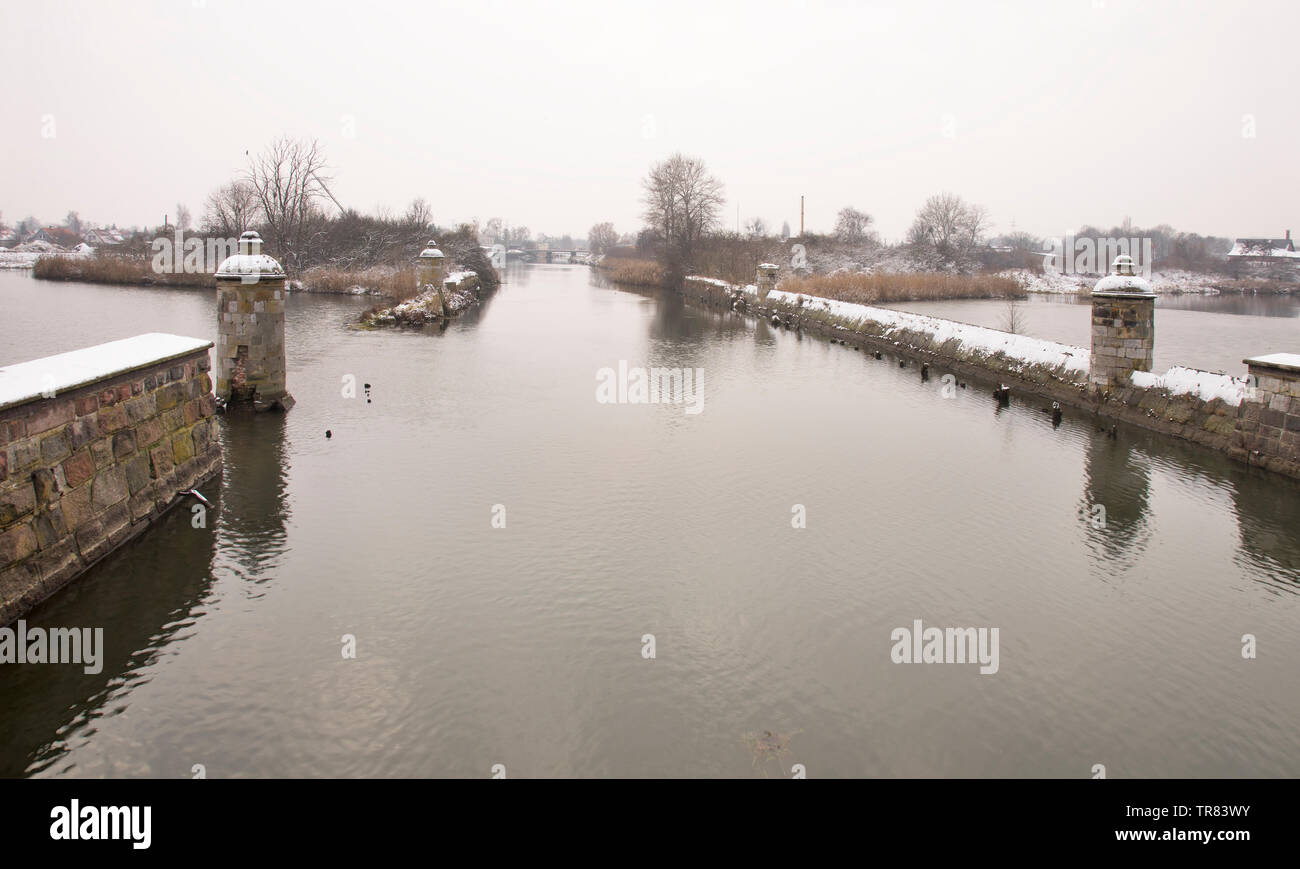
(538, 255)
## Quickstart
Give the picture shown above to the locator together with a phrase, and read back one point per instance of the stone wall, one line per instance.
(85, 468)
(1262, 428)
(1123, 337)
(250, 336)
(1268, 430)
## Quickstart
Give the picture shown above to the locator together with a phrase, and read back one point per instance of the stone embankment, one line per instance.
(95, 445)
(1253, 418)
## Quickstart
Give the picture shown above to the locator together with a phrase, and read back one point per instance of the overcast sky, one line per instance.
(1050, 114)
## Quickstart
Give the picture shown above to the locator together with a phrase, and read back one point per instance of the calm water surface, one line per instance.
(522, 645)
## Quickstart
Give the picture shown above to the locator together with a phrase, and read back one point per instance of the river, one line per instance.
(525, 646)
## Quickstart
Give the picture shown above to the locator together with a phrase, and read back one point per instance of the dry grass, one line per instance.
(885, 287)
(114, 270)
(396, 283)
(633, 272)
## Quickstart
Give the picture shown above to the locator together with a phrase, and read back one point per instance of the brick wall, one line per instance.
(88, 469)
(250, 340)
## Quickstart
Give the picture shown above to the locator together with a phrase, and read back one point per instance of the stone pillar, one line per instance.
(1268, 425)
(250, 328)
(430, 271)
(1123, 326)
(766, 280)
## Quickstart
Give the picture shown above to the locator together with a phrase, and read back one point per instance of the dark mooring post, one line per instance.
(1123, 326)
(250, 328)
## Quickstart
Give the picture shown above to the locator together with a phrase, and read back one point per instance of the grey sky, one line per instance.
(548, 114)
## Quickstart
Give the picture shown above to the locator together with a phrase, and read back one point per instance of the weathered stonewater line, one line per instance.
(95, 445)
(1255, 420)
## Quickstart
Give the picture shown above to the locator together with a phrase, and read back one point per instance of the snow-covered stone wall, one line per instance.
(1254, 418)
(95, 445)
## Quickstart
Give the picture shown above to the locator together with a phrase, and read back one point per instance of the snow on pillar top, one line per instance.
(1123, 280)
(250, 264)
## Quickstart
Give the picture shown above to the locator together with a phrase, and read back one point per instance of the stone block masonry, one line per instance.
(1123, 337)
(250, 355)
(250, 328)
(95, 445)
(1268, 430)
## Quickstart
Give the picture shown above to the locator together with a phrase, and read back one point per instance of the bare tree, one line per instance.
(183, 219)
(1022, 240)
(230, 209)
(288, 179)
(419, 213)
(1013, 320)
(852, 225)
(681, 201)
(601, 237)
(73, 222)
(949, 229)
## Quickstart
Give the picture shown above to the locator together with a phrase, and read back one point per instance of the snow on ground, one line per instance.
(714, 281)
(24, 256)
(18, 259)
(1189, 381)
(978, 339)
(1173, 281)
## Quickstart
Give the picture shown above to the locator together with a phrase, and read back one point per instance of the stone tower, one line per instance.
(250, 328)
(430, 270)
(1123, 326)
(765, 280)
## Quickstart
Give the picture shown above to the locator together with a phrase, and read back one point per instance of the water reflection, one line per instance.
(1116, 500)
(252, 523)
(1266, 509)
(146, 596)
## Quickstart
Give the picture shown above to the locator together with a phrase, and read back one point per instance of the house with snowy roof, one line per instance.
(1265, 258)
(101, 237)
(60, 235)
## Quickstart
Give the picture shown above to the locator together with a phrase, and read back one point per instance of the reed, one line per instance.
(879, 288)
(114, 270)
(633, 272)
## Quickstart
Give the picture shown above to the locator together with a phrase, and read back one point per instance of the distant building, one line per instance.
(60, 235)
(103, 237)
(1265, 258)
